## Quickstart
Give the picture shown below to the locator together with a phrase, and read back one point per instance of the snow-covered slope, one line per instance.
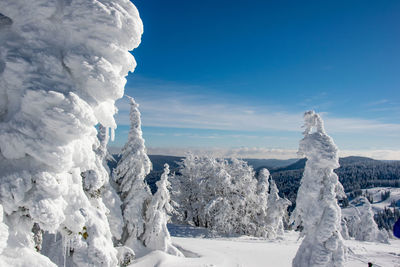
(378, 204)
(255, 252)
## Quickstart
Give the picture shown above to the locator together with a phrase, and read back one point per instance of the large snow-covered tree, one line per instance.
(62, 66)
(156, 236)
(316, 209)
(131, 170)
(221, 195)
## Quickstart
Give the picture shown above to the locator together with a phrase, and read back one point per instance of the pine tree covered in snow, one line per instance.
(367, 230)
(361, 224)
(62, 66)
(276, 212)
(262, 193)
(156, 236)
(131, 170)
(317, 210)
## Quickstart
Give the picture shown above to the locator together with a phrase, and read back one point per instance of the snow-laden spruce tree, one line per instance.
(156, 236)
(361, 224)
(276, 212)
(262, 193)
(317, 210)
(131, 170)
(62, 66)
(367, 230)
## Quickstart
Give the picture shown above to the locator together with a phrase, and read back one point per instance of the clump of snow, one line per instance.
(62, 66)
(317, 210)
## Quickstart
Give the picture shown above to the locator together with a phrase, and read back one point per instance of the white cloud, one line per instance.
(242, 152)
(266, 153)
(179, 110)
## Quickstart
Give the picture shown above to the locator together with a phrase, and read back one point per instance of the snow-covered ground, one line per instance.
(254, 252)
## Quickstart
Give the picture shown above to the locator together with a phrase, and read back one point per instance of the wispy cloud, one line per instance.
(266, 153)
(241, 152)
(172, 106)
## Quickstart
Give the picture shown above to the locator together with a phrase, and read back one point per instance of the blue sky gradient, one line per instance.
(239, 74)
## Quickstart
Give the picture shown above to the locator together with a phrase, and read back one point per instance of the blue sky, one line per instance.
(234, 77)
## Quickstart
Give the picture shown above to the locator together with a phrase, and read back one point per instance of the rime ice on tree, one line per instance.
(157, 236)
(62, 66)
(277, 210)
(132, 168)
(316, 206)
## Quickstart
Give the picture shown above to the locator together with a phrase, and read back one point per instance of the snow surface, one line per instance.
(248, 251)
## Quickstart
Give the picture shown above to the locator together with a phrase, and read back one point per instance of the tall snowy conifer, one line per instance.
(316, 205)
(131, 170)
(361, 224)
(262, 199)
(156, 236)
(62, 66)
(277, 210)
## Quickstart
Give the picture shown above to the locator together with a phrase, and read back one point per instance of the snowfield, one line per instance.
(248, 251)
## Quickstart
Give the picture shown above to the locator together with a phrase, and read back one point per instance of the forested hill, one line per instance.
(354, 173)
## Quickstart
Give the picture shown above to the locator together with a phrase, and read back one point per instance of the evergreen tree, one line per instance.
(156, 236)
(317, 210)
(129, 175)
(367, 229)
(277, 210)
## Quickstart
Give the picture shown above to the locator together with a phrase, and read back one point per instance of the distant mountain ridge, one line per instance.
(300, 164)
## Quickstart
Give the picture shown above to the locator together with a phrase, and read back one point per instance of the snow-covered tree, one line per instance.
(221, 195)
(62, 66)
(276, 212)
(108, 193)
(156, 236)
(131, 170)
(367, 230)
(317, 210)
(344, 230)
(361, 224)
(262, 195)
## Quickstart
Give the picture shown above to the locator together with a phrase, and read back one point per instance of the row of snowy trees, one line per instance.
(62, 67)
(144, 215)
(227, 197)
